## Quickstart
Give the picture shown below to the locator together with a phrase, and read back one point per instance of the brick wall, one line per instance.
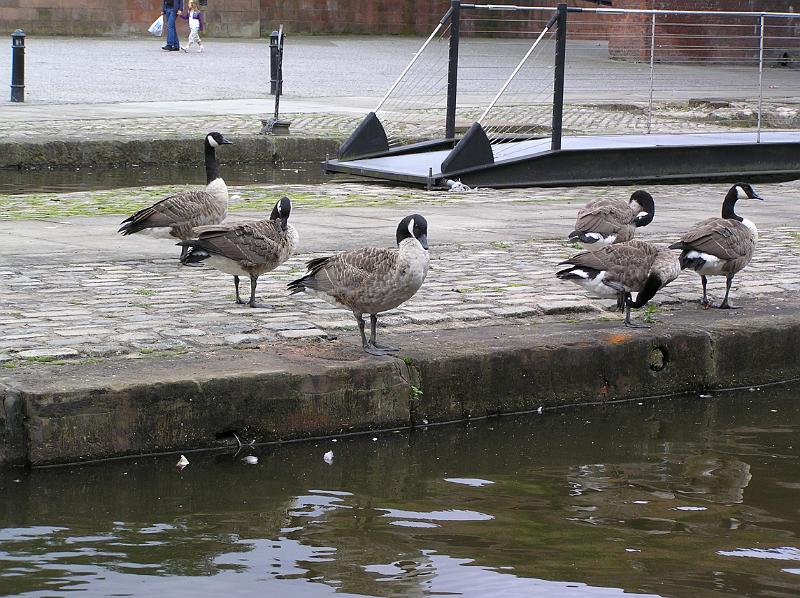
(722, 39)
(252, 18)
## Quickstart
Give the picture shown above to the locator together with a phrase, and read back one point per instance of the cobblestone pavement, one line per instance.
(54, 309)
(578, 119)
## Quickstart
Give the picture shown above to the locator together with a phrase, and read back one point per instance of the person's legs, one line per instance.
(172, 33)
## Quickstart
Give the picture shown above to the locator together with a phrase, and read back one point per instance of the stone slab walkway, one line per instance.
(90, 295)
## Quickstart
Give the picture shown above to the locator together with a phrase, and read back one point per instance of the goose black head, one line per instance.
(413, 226)
(281, 211)
(738, 191)
(745, 191)
(645, 201)
(215, 139)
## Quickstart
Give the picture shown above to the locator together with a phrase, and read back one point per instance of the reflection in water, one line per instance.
(679, 498)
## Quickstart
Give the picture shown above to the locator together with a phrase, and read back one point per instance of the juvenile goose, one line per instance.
(175, 216)
(621, 269)
(602, 222)
(720, 246)
(371, 280)
(245, 248)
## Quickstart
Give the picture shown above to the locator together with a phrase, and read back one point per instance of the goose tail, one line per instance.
(196, 253)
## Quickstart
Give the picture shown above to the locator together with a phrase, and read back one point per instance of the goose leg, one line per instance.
(373, 324)
(236, 286)
(365, 344)
(725, 304)
(620, 301)
(253, 282)
(628, 314)
(704, 301)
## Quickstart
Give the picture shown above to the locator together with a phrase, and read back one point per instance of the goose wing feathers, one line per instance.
(261, 242)
(627, 265)
(721, 237)
(604, 216)
(182, 211)
(346, 275)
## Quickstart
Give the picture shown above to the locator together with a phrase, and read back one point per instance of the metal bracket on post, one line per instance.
(452, 69)
(558, 76)
(273, 125)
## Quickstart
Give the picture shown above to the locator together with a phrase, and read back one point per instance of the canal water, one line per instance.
(687, 497)
(13, 182)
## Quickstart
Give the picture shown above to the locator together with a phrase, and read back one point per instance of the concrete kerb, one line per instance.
(449, 375)
(179, 151)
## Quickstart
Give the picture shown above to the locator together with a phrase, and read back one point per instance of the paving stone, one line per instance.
(299, 334)
(243, 339)
(55, 353)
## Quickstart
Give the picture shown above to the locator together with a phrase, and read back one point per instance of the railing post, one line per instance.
(760, 79)
(558, 77)
(652, 72)
(452, 69)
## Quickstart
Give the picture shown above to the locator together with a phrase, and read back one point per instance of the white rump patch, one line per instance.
(226, 265)
(713, 265)
(601, 241)
(160, 232)
(596, 285)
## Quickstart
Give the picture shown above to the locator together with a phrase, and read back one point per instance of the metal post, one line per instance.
(274, 44)
(18, 66)
(760, 79)
(558, 77)
(452, 69)
(652, 72)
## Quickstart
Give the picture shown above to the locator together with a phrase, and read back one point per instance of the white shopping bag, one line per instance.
(157, 28)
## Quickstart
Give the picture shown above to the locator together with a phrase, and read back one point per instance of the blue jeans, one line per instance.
(172, 34)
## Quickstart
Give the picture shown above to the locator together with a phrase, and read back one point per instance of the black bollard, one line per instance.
(275, 59)
(18, 66)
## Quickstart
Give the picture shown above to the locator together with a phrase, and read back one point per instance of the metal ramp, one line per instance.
(486, 156)
(599, 159)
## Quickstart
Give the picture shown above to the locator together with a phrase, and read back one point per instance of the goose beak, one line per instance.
(423, 240)
(284, 223)
(757, 196)
(226, 142)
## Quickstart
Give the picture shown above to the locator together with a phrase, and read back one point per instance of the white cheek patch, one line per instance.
(642, 214)
(411, 227)
(278, 207)
(212, 142)
(740, 193)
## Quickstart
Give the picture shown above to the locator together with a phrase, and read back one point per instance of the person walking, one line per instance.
(171, 9)
(196, 25)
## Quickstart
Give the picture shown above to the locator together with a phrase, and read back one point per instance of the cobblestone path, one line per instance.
(135, 308)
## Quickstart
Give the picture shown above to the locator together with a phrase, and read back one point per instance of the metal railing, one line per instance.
(625, 71)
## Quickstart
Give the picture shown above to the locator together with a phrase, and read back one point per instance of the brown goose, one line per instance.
(621, 269)
(245, 248)
(602, 222)
(371, 280)
(175, 216)
(720, 246)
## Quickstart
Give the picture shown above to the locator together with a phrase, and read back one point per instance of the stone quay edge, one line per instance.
(287, 392)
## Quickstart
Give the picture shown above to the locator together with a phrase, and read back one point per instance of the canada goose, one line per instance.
(602, 222)
(371, 280)
(621, 269)
(720, 246)
(245, 248)
(175, 216)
